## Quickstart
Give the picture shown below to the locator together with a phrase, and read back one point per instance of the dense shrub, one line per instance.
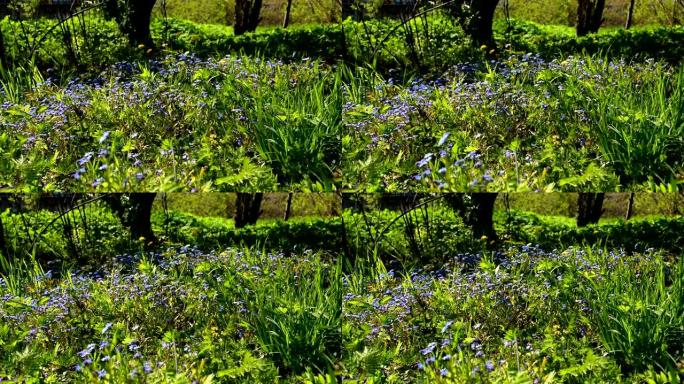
(386, 45)
(104, 44)
(101, 235)
(320, 234)
(660, 232)
(317, 41)
(662, 43)
(444, 234)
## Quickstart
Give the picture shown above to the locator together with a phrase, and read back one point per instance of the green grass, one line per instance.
(520, 315)
(183, 124)
(523, 123)
(176, 316)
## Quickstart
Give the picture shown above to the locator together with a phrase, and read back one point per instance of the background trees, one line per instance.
(133, 18)
(589, 16)
(246, 16)
(135, 212)
(589, 208)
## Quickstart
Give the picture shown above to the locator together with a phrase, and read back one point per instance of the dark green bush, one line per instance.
(660, 43)
(288, 236)
(104, 44)
(637, 234)
(318, 41)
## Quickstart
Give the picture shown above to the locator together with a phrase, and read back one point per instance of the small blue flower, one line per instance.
(443, 139)
(447, 325)
(104, 137)
(424, 161)
(428, 349)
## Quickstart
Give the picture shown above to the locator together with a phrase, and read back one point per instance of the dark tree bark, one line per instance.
(589, 208)
(630, 207)
(57, 201)
(246, 16)
(288, 206)
(133, 17)
(288, 10)
(479, 215)
(247, 209)
(589, 16)
(141, 16)
(347, 9)
(480, 27)
(477, 20)
(135, 212)
(398, 201)
(630, 14)
(3, 54)
(4, 251)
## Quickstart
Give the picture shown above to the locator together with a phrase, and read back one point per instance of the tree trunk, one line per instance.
(482, 219)
(630, 14)
(141, 216)
(589, 208)
(246, 16)
(288, 9)
(141, 16)
(247, 209)
(134, 210)
(3, 54)
(480, 26)
(478, 215)
(347, 9)
(288, 206)
(4, 251)
(589, 16)
(630, 207)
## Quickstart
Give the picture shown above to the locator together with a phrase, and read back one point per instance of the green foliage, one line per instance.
(109, 45)
(298, 323)
(44, 236)
(640, 315)
(314, 41)
(175, 316)
(178, 124)
(517, 315)
(659, 42)
(383, 44)
(320, 234)
(638, 233)
(518, 124)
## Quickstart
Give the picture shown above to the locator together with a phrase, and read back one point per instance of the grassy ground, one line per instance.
(178, 124)
(180, 315)
(519, 124)
(520, 315)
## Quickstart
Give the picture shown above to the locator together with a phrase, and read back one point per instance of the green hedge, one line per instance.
(665, 233)
(448, 236)
(661, 43)
(315, 233)
(105, 45)
(448, 44)
(103, 236)
(317, 41)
